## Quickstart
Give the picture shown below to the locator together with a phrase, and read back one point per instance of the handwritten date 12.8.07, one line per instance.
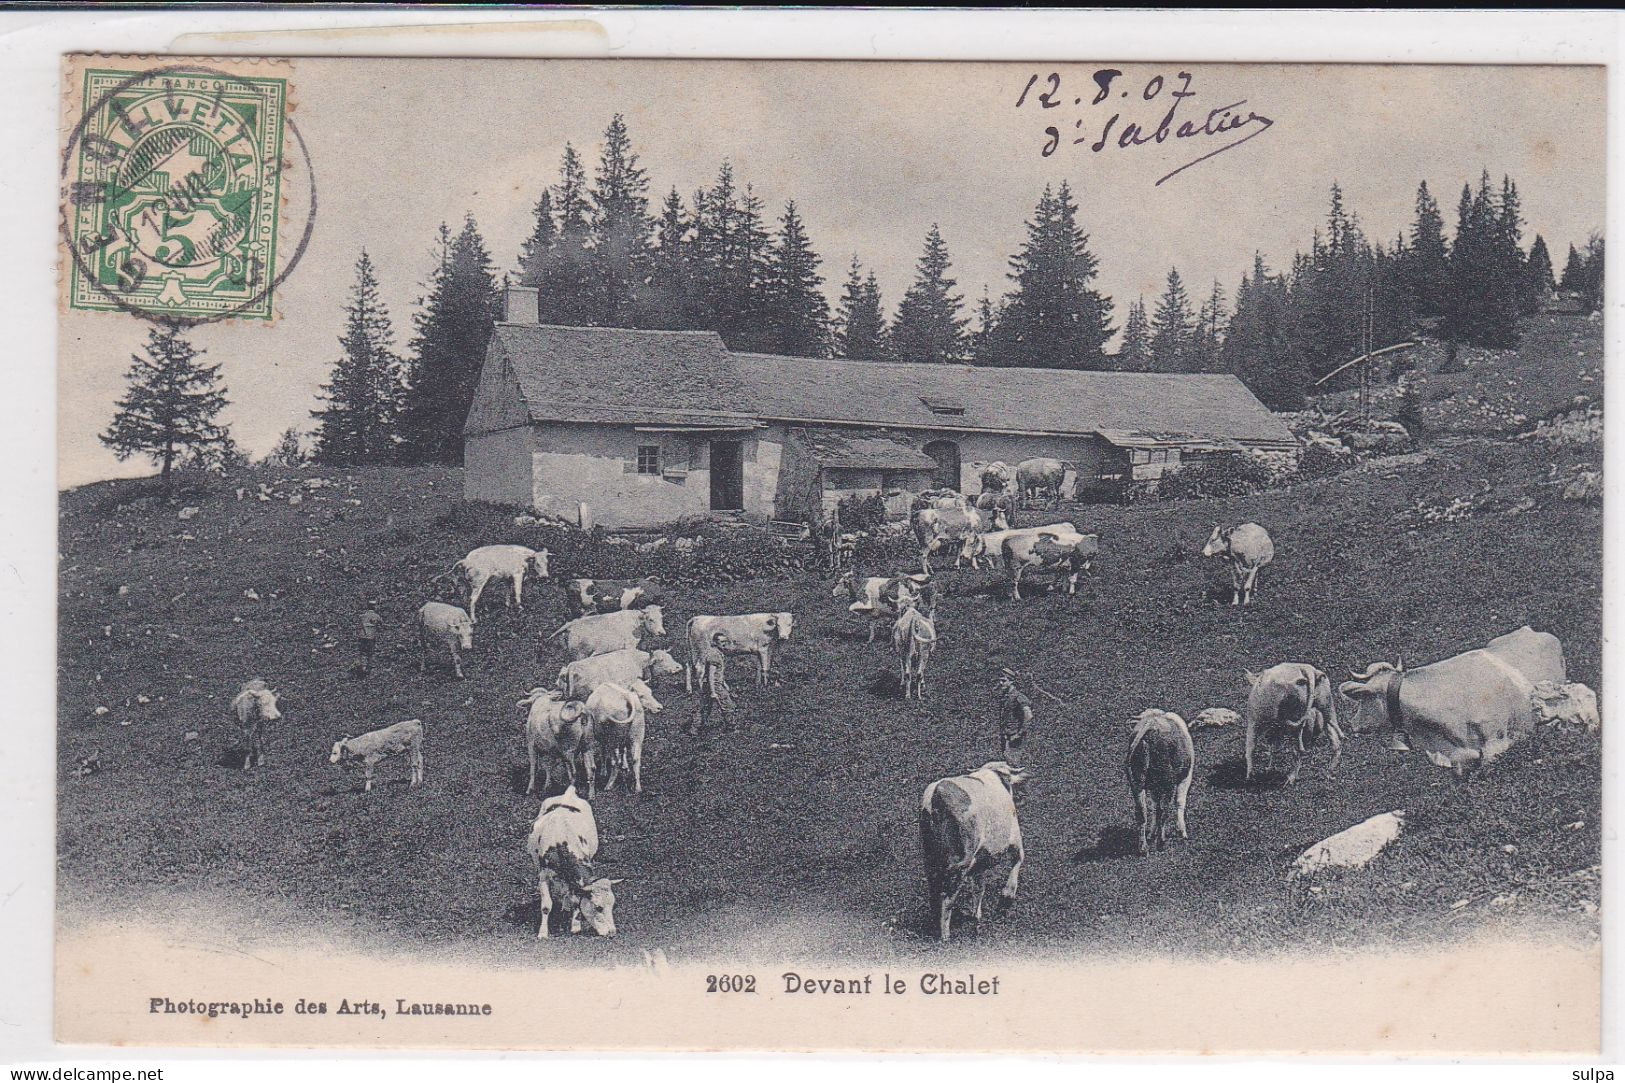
(1121, 96)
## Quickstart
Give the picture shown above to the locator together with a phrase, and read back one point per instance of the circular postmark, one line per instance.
(174, 179)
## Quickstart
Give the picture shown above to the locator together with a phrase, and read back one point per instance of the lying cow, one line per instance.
(914, 638)
(968, 826)
(759, 634)
(602, 633)
(371, 749)
(607, 595)
(989, 545)
(1291, 702)
(938, 528)
(563, 845)
(1247, 548)
(1035, 477)
(444, 626)
(490, 562)
(254, 705)
(1161, 764)
(1464, 711)
(880, 597)
(1068, 555)
(618, 727)
(578, 679)
(558, 733)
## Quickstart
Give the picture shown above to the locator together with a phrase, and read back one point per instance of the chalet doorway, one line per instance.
(946, 455)
(727, 475)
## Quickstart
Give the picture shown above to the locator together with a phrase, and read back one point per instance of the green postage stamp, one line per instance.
(173, 179)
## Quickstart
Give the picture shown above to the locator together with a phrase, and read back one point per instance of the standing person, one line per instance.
(1015, 721)
(714, 693)
(367, 638)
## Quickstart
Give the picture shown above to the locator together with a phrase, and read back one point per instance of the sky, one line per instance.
(873, 154)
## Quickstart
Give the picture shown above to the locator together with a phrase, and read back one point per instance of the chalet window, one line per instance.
(648, 458)
(1139, 457)
(946, 407)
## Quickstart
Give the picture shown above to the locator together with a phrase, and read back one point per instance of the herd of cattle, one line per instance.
(589, 727)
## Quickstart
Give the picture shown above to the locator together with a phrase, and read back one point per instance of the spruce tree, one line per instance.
(1172, 327)
(1591, 275)
(929, 327)
(669, 301)
(1427, 269)
(859, 322)
(982, 343)
(797, 315)
(1573, 272)
(566, 284)
(1485, 269)
(1208, 332)
(1052, 318)
(289, 449)
(1538, 283)
(172, 404)
(1135, 353)
(620, 227)
(538, 248)
(363, 394)
(1257, 347)
(453, 327)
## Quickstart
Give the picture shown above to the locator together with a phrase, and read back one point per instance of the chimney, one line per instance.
(524, 305)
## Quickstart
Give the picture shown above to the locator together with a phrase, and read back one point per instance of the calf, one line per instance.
(583, 596)
(563, 844)
(1161, 763)
(254, 705)
(558, 732)
(1247, 548)
(914, 638)
(618, 726)
(375, 747)
(758, 634)
(602, 633)
(1291, 702)
(442, 625)
(578, 679)
(968, 826)
(489, 562)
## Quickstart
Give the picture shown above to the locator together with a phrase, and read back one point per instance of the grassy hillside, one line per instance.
(797, 835)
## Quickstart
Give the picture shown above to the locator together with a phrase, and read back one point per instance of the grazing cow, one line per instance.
(968, 826)
(880, 597)
(1035, 476)
(1463, 712)
(1002, 502)
(604, 632)
(751, 633)
(578, 679)
(373, 748)
(989, 545)
(563, 845)
(254, 705)
(445, 626)
(1161, 764)
(1248, 548)
(618, 727)
(1069, 555)
(607, 595)
(935, 528)
(1291, 701)
(913, 637)
(558, 732)
(996, 478)
(489, 562)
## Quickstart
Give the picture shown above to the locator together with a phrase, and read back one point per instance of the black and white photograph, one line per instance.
(829, 555)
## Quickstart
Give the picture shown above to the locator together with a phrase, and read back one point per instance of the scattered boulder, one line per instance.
(1352, 848)
(1214, 717)
(188, 512)
(1572, 704)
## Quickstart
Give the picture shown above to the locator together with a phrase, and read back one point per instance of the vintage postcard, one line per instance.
(1087, 557)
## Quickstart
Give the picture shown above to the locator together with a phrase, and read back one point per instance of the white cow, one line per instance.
(1248, 548)
(914, 638)
(605, 632)
(759, 634)
(442, 625)
(255, 705)
(578, 679)
(968, 825)
(373, 748)
(558, 732)
(489, 562)
(618, 727)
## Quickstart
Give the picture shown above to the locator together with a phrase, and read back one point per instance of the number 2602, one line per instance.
(730, 983)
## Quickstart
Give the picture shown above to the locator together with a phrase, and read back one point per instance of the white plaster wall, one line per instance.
(496, 467)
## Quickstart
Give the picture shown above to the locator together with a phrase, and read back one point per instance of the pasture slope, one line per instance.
(796, 837)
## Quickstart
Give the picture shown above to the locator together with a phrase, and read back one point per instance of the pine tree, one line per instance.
(728, 257)
(797, 316)
(1172, 327)
(982, 340)
(566, 282)
(1052, 318)
(860, 324)
(668, 298)
(363, 395)
(171, 406)
(538, 249)
(929, 327)
(1135, 353)
(1427, 267)
(620, 228)
(1538, 283)
(453, 326)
